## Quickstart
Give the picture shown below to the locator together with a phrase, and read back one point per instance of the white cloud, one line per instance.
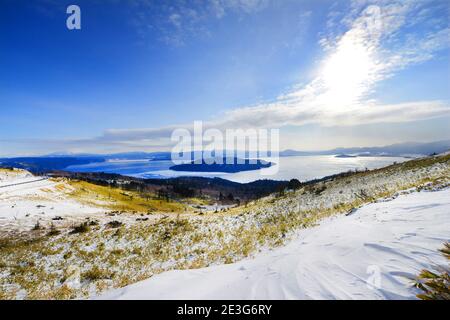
(373, 47)
(357, 61)
(177, 21)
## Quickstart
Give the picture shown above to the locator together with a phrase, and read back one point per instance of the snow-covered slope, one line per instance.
(26, 199)
(14, 176)
(340, 259)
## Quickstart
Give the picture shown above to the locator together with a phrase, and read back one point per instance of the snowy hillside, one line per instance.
(339, 259)
(26, 199)
(64, 239)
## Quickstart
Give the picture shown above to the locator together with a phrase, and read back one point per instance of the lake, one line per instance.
(300, 167)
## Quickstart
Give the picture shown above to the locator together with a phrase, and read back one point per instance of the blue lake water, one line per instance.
(286, 168)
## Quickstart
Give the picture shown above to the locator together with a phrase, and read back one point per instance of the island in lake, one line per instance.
(227, 165)
(345, 156)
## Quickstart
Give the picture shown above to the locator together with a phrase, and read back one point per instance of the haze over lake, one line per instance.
(300, 167)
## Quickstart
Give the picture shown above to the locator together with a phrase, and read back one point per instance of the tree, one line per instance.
(294, 184)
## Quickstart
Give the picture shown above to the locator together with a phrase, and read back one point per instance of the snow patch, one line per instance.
(339, 259)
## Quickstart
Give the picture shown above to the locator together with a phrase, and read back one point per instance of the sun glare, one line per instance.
(347, 74)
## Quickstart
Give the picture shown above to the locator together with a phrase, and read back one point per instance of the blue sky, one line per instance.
(355, 73)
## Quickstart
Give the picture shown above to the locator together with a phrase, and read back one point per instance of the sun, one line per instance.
(348, 73)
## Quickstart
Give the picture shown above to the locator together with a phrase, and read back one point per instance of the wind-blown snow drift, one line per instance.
(335, 260)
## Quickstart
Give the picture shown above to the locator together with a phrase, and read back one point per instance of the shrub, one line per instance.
(53, 231)
(320, 189)
(37, 226)
(114, 224)
(435, 286)
(97, 274)
(81, 228)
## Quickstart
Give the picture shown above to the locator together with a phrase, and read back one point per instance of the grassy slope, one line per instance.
(112, 257)
(117, 199)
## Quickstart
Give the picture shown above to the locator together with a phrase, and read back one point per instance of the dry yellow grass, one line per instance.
(114, 257)
(118, 199)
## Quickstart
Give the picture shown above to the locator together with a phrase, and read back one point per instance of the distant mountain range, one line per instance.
(118, 156)
(399, 149)
(62, 161)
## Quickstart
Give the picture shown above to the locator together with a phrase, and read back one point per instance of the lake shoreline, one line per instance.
(303, 168)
